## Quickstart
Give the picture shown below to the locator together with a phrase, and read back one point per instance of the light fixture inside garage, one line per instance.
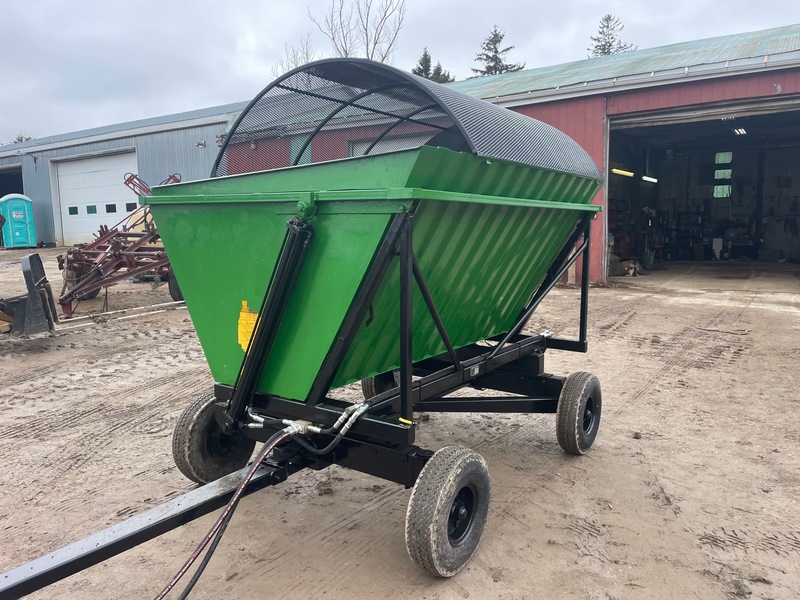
(646, 176)
(622, 172)
(740, 131)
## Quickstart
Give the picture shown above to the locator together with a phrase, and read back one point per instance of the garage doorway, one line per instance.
(11, 180)
(721, 183)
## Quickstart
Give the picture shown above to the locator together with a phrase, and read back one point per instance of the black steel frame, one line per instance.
(511, 362)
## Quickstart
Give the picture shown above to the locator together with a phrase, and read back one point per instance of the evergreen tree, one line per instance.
(492, 56)
(423, 68)
(437, 74)
(607, 41)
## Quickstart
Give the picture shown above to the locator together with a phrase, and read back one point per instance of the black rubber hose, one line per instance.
(318, 451)
(222, 521)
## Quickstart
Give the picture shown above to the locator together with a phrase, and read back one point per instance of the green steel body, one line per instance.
(485, 233)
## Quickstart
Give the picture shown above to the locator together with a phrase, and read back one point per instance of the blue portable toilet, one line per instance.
(18, 230)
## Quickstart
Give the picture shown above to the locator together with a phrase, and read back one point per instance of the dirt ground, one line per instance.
(692, 489)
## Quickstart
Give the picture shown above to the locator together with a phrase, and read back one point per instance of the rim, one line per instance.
(462, 515)
(589, 416)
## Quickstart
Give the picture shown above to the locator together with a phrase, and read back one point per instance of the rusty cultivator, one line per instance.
(131, 248)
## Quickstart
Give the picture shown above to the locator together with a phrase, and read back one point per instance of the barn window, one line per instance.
(130, 206)
(73, 210)
(91, 209)
(723, 174)
(111, 208)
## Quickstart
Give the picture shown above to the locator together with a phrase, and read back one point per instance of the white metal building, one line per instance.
(76, 180)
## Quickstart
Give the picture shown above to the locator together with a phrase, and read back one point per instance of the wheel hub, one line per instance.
(588, 416)
(461, 516)
(218, 442)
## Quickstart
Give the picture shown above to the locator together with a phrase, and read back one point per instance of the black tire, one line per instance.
(447, 511)
(173, 287)
(74, 279)
(202, 451)
(372, 386)
(578, 415)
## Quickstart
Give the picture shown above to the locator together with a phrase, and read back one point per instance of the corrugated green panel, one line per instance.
(481, 262)
(441, 169)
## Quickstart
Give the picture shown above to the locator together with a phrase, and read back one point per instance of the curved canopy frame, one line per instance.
(342, 107)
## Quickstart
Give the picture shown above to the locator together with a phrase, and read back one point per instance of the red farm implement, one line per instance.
(130, 249)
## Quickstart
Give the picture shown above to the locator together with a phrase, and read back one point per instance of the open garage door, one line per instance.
(91, 193)
(11, 180)
(714, 183)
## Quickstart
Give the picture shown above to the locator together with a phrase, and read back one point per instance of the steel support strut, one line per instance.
(406, 320)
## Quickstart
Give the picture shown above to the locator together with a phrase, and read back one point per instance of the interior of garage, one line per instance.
(11, 181)
(722, 187)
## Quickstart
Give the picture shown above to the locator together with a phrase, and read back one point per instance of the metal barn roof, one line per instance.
(729, 54)
(166, 122)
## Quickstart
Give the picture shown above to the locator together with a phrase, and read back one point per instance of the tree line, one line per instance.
(370, 29)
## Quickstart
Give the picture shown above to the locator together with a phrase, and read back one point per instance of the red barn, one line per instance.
(700, 143)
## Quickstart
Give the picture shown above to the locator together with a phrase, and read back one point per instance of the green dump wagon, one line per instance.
(364, 224)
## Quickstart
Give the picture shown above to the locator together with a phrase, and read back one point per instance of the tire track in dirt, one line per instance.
(748, 541)
(700, 346)
(79, 413)
(588, 539)
(334, 537)
(103, 423)
(679, 351)
(154, 348)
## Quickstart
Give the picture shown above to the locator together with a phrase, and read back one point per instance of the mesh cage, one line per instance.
(338, 108)
(332, 110)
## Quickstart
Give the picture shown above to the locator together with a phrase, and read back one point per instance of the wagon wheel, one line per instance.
(202, 451)
(578, 415)
(73, 278)
(173, 287)
(372, 386)
(447, 510)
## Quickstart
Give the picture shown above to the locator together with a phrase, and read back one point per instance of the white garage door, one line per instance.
(91, 193)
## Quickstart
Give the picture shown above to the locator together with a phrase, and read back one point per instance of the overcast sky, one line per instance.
(77, 64)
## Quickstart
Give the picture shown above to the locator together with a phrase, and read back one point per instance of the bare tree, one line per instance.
(295, 56)
(367, 28)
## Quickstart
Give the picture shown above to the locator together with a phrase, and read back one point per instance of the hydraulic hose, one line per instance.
(352, 413)
(222, 521)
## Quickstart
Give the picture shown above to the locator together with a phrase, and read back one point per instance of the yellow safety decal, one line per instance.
(247, 323)
(406, 421)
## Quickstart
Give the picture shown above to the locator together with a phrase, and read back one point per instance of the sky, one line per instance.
(70, 65)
